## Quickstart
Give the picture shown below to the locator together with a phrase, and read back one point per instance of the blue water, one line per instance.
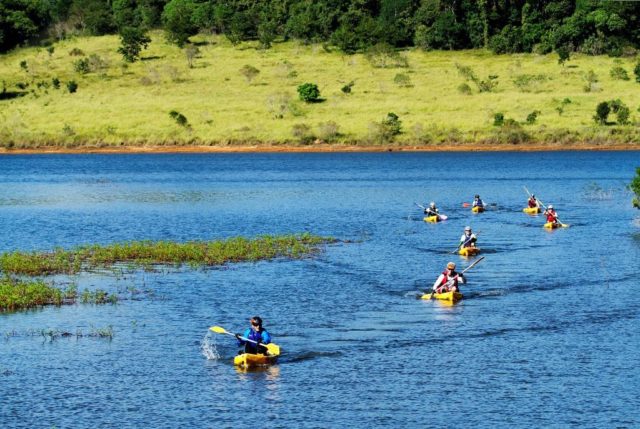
(547, 335)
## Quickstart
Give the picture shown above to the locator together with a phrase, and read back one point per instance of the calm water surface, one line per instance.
(548, 335)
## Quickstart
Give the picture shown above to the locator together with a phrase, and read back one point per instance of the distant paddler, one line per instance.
(431, 213)
(478, 205)
(553, 221)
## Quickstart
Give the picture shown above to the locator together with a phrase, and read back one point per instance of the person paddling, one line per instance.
(448, 280)
(552, 216)
(468, 239)
(477, 201)
(255, 333)
(533, 202)
(432, 210)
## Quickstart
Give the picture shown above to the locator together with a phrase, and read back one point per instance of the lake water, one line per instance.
(547, 335)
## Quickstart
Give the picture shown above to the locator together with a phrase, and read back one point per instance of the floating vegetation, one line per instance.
(146, 254)
(20, 294)
(595, 192)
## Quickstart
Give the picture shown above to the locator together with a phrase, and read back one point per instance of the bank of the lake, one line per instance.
(162, 102)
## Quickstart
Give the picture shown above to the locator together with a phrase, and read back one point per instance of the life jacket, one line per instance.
(478, 203)
(446, 279)
(254, 348)
(551, 216)
(533, 203)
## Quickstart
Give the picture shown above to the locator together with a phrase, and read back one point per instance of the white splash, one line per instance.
(208, 347)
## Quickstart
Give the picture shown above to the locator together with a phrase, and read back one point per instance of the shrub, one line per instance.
(621, 110)
(592, 79)
(528, 82)
(498, 119)
(563, 55)
(132, 41)
(602, 113)
(392, 124)
(563, 103)
(636, 71)
(179, 118)
(50, 50)
(72, 86)
(81, 66)
(328, 131)
(97, 63)
(619, 73)
(309, 92)
(249, 72)
(24, 66)
(634, 186)
(281, 103)
(191, 52)
(465, 89)
(347, 88)
(303, 133)
(402, 80)
(486, 85)
(76, 52)
(532, 117)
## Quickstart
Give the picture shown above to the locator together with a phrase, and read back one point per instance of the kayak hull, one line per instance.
(477, 209)
(446, 296)
(551, 225)
(432, 219)
(249, 360)
(531, 210)
(468, 251)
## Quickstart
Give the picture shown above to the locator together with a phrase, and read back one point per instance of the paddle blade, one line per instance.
(444, 217)
(465, 204)
(273, 349)
(218, 330)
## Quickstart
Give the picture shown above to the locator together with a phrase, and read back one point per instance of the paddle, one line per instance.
(428, 210)
(433, 292)
(465, 242)
(530, 195)
(272, 349)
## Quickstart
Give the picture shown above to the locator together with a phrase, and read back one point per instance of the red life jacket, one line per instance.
(446, 279)
(551, 216)
(532, 203)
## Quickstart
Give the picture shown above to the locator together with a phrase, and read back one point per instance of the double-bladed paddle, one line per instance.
(433, 292)
(272, 349)
(545, 209)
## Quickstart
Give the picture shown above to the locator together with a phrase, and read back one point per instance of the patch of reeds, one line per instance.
(17, 294)
(147, 253)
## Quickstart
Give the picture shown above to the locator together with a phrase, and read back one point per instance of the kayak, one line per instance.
(445, 296)
(551, 225)
(531, 210)
(250, 360)
(468, 251)
(435, 218)
(477, 209)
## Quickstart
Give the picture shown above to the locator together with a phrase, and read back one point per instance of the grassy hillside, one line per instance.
(118, 104)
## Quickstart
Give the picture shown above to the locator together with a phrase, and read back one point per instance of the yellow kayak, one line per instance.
(551, 225)
(434, 219)
(477, 209)
(249, 360)
(468, 251)
(531, 210)
(446, 296)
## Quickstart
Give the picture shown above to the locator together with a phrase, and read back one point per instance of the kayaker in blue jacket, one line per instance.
(477, 202)
(255, 333)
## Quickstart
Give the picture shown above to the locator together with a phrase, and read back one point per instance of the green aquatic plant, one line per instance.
(147, 254)
(635, 188)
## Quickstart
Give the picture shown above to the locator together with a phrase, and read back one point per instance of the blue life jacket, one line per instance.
(261, 337)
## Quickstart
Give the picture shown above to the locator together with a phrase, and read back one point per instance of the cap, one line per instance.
(467, 228)
(550, 206)
(477, 196)
(432, 204)
(451, 266)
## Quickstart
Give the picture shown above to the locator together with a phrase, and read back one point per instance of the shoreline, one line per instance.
(324, 148)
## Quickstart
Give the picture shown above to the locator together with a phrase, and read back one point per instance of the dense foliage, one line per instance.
(635, 188)
(589, 26)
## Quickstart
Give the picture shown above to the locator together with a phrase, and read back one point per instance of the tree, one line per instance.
(179, 21)
(602, 113)
(309, 92)
(133, 40)
(21, 20)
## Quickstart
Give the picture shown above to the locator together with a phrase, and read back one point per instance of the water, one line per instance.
(547, 335)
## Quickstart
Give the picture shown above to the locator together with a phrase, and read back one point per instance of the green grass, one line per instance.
(18, 295)
(130, 105)
(147, 253)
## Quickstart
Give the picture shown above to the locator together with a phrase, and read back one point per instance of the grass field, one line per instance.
(118, 104)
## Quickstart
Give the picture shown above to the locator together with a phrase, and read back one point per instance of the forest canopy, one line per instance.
(504, 26)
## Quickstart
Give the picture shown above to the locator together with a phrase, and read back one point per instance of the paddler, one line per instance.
(255, 333)
(477, 201)
(533, 202)
(468, 239)
(551, 215)
(432, 210)
(448, 280)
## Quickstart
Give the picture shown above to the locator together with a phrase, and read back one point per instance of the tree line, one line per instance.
(504, 26)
